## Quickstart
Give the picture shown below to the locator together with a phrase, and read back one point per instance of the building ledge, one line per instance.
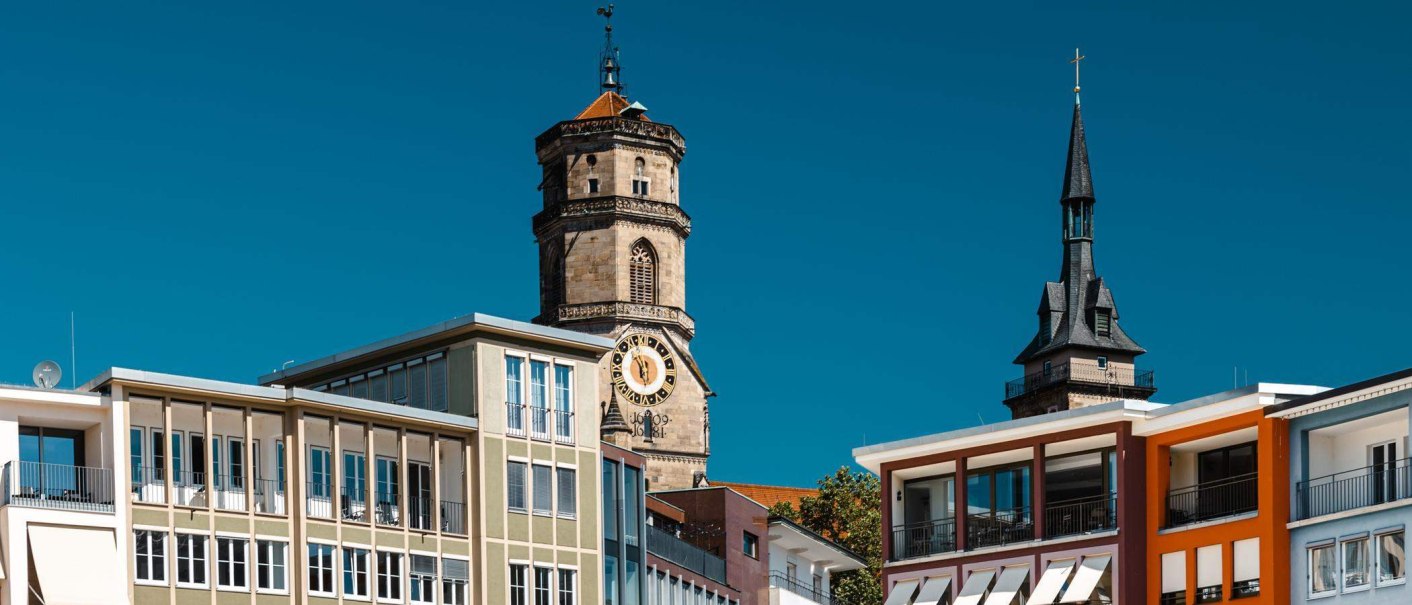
(1205, 524)
(1352, 512)
(958, 554)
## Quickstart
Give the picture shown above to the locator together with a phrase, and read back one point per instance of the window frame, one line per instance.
(547, 590)
(524, 489)
(431, 583)
(460, 584)
(567, 595)
(347, 572)
(221, 559)
(548, 491)
(560, 472)
(189, 565)
(750, 544)
(261, 561)
(1344, 570)
(394, 575)
(331, 590)
(1310, 573)
(1378, 559)
(156, 562)
(522, 589)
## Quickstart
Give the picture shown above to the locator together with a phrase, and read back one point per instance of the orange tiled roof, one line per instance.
(607, 105)
(769, 495)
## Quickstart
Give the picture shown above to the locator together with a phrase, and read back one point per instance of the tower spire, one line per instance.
(1077, 58)
(610, 76)
(1078, 181)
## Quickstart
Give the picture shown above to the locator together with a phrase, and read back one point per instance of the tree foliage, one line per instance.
(846, 512)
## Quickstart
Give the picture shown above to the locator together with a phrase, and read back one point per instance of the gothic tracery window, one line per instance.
(642, 274)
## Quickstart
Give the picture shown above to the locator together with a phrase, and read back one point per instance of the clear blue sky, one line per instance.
(217, 189)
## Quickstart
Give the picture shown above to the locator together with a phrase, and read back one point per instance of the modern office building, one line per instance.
(1350, 489)
(63, 517)
(624, 526)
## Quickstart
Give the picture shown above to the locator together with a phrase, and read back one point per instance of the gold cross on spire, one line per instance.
(1077, 57)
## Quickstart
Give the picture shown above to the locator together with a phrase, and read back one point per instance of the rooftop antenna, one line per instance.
(73, 353)
(611, 77)
(47, 374)
(1077, 57)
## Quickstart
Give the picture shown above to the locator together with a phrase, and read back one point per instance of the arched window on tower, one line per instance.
(640, 182)
(642, 273)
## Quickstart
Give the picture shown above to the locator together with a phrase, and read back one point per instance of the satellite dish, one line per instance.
(47, 374)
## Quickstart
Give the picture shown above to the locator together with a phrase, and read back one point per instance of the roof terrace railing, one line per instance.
(58, 486)
(1347, 490)
(1114, 376)
(923, 539)
(1212, 500)
(686, 554)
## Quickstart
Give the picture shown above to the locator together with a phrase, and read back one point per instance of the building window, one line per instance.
(539, 399)
(568, 492)
(517, 585)
(514, 395)
(563, 403)
(321, 569)
(640, 181)
(642, 273)
(420, 383)
(1209, 574)
(1102, 322)
(150, 556)
(1102, 362)
(515, 479)
(191, 560)
(1173, 578)
(1355, 564)
(455, 576)
(566, 587)
(751, 545)
(231, 555)
(135, 454)
(271, 561)
(543, 490)
(1392, 558)
(389, 576)
(1323, 571)
(421, 585)
(543, 587)
(1048, 368)
(593, 185)
(632, 515)
(1046, 328)
(355, 572)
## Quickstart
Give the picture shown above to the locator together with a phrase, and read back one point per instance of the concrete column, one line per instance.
(209, 479)
(168, 489)
(251, 473)
(961, 504)
(336, 466)
(1037, 491)
(435, 503)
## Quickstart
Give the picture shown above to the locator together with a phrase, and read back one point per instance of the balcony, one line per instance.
(1212, 500)
(999, 527)
(782, 581)
(923, 539)
(1081, 516)
(686, 554)
(57, 486)
(453, 517)
(1347, 490)
(1120, 381)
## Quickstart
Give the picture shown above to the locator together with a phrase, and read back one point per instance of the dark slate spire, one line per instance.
(1078, 182)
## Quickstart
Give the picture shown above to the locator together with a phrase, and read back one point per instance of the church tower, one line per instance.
(612, 244)
(1079, 355)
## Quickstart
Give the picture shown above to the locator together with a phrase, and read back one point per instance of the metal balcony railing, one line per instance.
(998, 528)
(1212, 500)
(821, 596)
(514, 419)
(563, 426)
(923, 539)
(453, 517)
(149, 485)
(353, 504)
(539, 422)
(269, 496)
(419, 513)
(1114, 376)
(1080, 515)
(57, 486)
(388, 509)
(318, 499)
(1347, 490)
(686, 554)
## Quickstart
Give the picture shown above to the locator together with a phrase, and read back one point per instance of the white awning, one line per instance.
(934, 591)
(975, 588)
(1007, 587)
(1046, 591)
(902, 592)
(77, 566)
(1090, 572)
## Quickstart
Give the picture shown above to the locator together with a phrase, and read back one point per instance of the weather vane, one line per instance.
(1077, 57)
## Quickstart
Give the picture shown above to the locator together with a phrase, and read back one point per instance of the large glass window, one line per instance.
(926, 500)
(516, 484)
(389, 576)
(1323, 570)
(610, 580)
(567, 587)
(539, 397)
(632, 503)
(57, 450)
(632, 595)
(455, 576)
(270, 565)
(231, 557)
(320, 472)
(1392, 558)
(611, 504)
(355, 481)
(518, 585)
(355, 572)
(1355, 564)
(514, 394)
(1000, 492)
(420, 383)
(135, 453)
(563, 402)
(543, 588)
(388, 490)
(150, 556)
(321, 569)
(421, 583)
(191, 560)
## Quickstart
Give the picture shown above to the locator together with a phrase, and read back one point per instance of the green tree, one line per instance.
(846, 512)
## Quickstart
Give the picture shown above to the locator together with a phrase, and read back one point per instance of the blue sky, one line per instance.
(217, 189)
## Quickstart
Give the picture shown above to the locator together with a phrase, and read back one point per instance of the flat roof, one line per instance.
(1337, 392)
(276, 394)
(467, 323)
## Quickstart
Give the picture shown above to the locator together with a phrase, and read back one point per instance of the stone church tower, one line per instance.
(612, 244)
(1079, 355)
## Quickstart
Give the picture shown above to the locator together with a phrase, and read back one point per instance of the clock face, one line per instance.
(644, 371)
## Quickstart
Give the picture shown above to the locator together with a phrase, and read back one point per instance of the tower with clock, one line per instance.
(612, 242)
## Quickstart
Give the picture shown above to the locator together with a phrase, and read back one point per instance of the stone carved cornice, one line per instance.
(641, 128)
(617, 207)
(625, 311)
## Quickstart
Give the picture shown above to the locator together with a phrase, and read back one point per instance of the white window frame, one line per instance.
(1343, 564)
(571, 591)
(521, 408)
(524, 587)
(428, 596)
(548, 433)
(535, 491)
(365, 569)
(1309, 570)
(394, 577)
(1378, 558)
(558, 493)
(525, 490)
(151, 536)
(335, 578)
(568, 410)
(262, 561)
(189, 564)
(548, 590)
(462, 585)
(225, 556)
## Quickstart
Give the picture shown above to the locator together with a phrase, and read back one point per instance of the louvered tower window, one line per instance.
(1102, 322)
(642, 274)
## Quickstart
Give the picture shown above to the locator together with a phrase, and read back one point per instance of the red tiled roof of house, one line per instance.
(769, 495)
(607, 105)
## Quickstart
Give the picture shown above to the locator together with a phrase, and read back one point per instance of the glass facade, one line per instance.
(623, 526)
